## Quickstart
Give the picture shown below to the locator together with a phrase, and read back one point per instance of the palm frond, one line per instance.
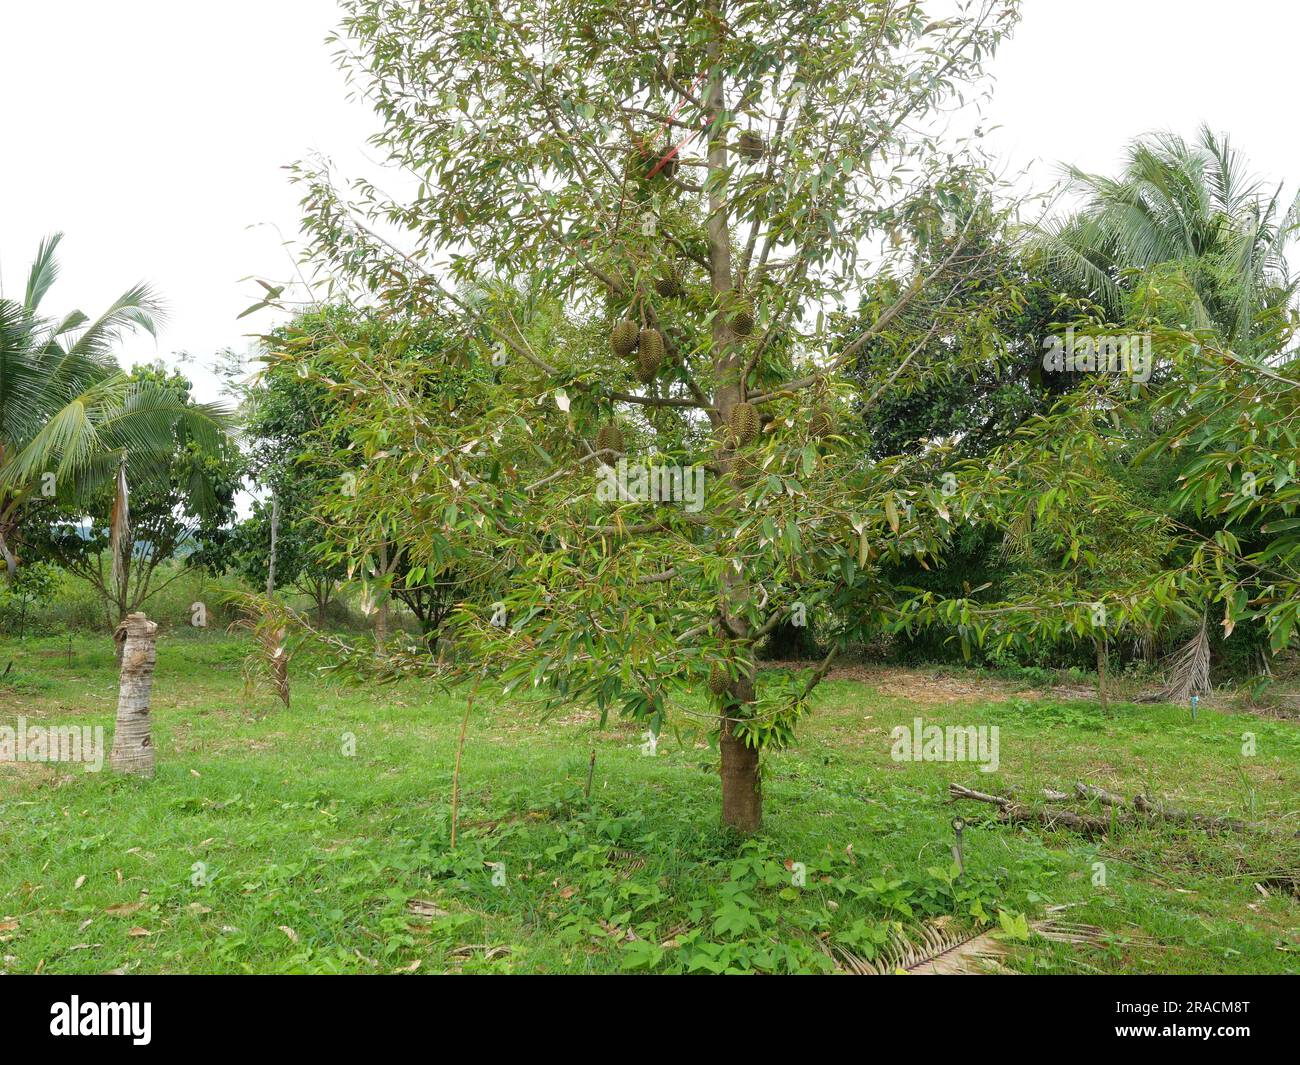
(1070, 249)
(1189, 669)
(935, 948)
(114, 414)
(1188, 205)
(43, 274)
(139, 307)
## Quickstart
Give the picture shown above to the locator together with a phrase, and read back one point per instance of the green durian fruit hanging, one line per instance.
(609, 437)
(745, 468)
(666, 164)
(669, 284)
(651, 341)
(623, 338)
(742, 319)
(821, 423)
(751, 146)
(719, 682)
(745, 422)
(648, 361)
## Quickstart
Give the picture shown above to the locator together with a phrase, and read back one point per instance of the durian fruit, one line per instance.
(669, 284)
(609, 437)
(821, 423)
(649, 354)
(745, 422)
(719, 682)
(742, 319)
(623, 338)
(745, 468)
(651, 342)
(648, 361)
(751, 145)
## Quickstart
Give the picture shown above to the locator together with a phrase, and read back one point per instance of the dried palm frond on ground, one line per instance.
(928, 950)
(486, 950)
(935, 949)
(626, 862)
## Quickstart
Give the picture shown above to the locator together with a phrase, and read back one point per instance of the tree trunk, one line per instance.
(275, 533)
(133, 750)
(1101, 673)
(10, 559)
(742, 797)
(742, 806)
(742, 793)
(384, 591)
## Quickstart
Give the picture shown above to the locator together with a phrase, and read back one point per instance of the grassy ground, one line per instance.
(263, 846)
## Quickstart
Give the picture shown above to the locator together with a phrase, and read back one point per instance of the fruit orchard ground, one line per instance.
(261, 846)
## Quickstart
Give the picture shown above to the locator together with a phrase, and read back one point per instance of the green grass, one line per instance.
(313, 857)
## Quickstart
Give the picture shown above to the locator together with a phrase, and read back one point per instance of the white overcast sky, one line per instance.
(154, 132)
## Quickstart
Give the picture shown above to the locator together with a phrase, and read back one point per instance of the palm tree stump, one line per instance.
(132, 743)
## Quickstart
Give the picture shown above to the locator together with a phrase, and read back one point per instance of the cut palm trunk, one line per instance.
(133, 750)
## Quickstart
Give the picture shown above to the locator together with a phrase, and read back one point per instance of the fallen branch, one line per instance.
(1185, 817)
(1106, 798)
(1142, 810)
(1164, 812)
(1014, 812)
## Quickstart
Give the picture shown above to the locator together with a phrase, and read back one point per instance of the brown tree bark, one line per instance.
(742, 792)
(742, 804)
(133, 750)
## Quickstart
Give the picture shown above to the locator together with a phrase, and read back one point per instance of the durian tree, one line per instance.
(657, 480)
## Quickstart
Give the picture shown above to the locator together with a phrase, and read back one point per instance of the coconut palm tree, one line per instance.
(70, 419)
(1184, 211)
(1187, 236)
